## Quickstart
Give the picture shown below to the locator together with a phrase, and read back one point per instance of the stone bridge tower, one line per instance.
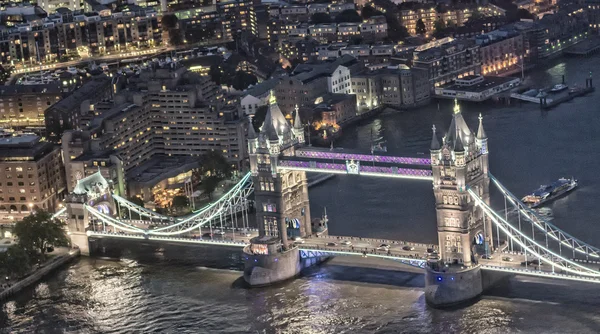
(461, 161)
(282, 203)
(92, 191)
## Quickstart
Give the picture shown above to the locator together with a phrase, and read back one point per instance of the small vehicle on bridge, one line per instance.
(298, 240)
(331, 244)
(408, 248)
(383, 247)
(507, 259)
(347, 243)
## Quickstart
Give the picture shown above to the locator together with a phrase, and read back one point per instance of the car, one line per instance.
(430, 250)
(507, 259)
(346, 243)
(487, 257)
(298, 240)
(207, 235)
(219, 232)
(408, 248)
(331, 244)
(383, 247)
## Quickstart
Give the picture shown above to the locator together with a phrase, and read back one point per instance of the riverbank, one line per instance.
(33, 277)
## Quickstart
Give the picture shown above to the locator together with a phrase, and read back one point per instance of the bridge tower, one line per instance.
(460, 162)
(92, 191)
(282, 204)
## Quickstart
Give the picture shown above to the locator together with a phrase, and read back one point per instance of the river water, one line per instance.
(196, 290)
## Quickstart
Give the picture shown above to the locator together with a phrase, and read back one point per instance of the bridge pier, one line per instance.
(452, 287)
(266, 263)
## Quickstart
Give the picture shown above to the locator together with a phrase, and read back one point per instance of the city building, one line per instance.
(67, 113)
(23, 106)
(500, 51)
(447, 59)
(156, 128)
(32, 176)
(68, 34)
(334, 109)
(476, 88)
(257, 96)
(399, 87)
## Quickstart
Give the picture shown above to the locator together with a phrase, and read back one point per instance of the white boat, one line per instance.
(72, 70)
(558, 88)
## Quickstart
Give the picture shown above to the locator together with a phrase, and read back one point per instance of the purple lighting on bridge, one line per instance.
(362, 157)
(363, 168)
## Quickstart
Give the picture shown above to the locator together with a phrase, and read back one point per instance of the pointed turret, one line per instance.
(297, 121)
(435, 144)
(481, 132)
(251, 132)
(458, 145)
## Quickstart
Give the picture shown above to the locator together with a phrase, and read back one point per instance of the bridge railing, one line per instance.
(329, 155)
(359, 251)
(382, 241)
(166, 238)
(541, 273)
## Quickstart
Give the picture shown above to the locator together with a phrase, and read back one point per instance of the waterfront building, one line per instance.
(476, 88)
(31, 176)
(395, 86)
(447, 59)
(500, 51)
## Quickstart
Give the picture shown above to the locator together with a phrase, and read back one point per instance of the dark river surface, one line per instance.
(197, 290)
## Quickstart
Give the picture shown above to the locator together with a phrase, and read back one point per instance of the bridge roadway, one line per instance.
(366, 248)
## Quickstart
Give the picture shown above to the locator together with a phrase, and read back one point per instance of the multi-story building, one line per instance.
(67, 113)
(335, 109)
(237, 15)
(24, 105)
(309, 81)
(32, 176)
(500, 51)
(156, 129)
(412, 12)
(395, 86)
(69, 33)
(447, 59)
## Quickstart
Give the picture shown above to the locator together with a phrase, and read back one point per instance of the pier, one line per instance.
(585, 48)
(548, 101)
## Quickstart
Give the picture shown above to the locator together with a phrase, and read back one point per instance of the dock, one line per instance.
(585, 48)
(552, 100)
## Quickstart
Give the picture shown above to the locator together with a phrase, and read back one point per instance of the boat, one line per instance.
(547, 193)
(559, 88)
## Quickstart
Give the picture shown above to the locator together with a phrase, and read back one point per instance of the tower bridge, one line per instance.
(471, 234)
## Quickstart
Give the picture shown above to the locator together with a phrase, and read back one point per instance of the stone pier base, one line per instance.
(262, 270)
(80, 239)
(455, 286)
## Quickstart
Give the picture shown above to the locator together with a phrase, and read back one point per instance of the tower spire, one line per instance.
(297, 121)
(435, 144)
(481, 132)
(456, 106)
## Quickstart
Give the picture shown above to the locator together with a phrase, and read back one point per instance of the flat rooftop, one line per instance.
(160, 167)
(487, 83)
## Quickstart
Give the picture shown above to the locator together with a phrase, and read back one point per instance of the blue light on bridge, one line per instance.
(439, 278)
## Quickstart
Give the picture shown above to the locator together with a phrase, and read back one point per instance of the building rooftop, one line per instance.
(23, 147)
(262, 88)
(51, 88)
(160, 167)
(486, 84)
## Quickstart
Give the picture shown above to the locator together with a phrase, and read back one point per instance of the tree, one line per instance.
(318, 18)
(242, 80)
(15, 261)
(420, 28)
(213, 163)
(368, 11)
(440, 27)
(169, 21)
(523, 13)
(175, 37)
(215, 74)
(209, 184)
(348, 15)
(180, 202)
(136, 200)
(38, 231)
(396, 31)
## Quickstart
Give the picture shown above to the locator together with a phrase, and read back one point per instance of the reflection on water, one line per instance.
(172, 290)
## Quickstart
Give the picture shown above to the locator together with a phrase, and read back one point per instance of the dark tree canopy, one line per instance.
(523, 13)
(214, 163)
(420, 27)
(215, 74)
(209, 184)
(318, 18)
(396, 31)
(169, 21)
(38, 231)
(440, 28)
(242, 80)
(368, 11)
(180, 202)
(349, 15)
(259, 117)
(14, 262)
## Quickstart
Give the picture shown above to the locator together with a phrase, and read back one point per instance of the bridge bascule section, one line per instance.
(276, 188)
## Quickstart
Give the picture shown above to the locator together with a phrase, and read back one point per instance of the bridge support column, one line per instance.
(80, 240)
(266, 263)
(453, 286)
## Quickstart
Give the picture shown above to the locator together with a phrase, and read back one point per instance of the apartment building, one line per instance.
(31, 176)
(24, 105)
(500, 51)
